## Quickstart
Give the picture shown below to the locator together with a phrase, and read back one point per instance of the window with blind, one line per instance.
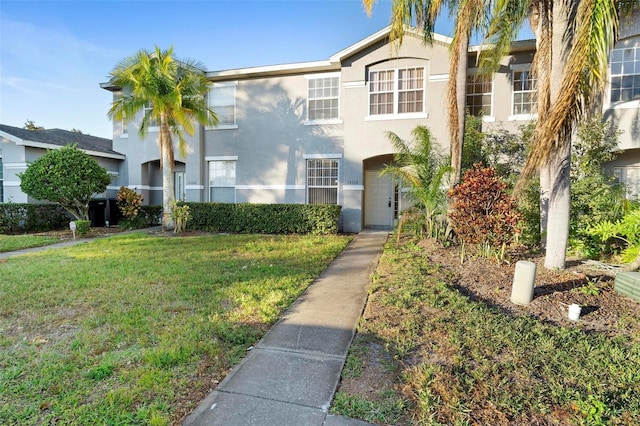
(222, 99)
(322, 181)
(479, 95)
(396, 91)
(222, 181)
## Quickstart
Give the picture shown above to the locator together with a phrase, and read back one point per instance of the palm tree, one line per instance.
(420, 168)
(574, 39)
(175, 89)
(470, 16)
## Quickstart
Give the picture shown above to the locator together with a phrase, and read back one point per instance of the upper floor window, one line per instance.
(323, 98)
(222, 99)
(625, 74)
(397, 91)
(524, 92)
(148, 108)
(479, 95)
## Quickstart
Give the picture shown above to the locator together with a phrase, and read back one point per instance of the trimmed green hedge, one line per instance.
(264, 218)
(16, 218)
(147, 216)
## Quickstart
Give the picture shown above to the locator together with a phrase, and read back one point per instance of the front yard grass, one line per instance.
(135, 329)
(427, 354)
(19, 242)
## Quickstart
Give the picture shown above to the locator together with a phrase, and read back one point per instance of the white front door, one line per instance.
(378, 205)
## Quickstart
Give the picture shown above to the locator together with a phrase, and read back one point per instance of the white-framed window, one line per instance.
(524, 92)
(147, 110)
(124, 129)
(222, 99)
(323, 98)
(397, 91)
(480, 95)
(625, 74)
(222, 180)
(322, 180)
(630, 178)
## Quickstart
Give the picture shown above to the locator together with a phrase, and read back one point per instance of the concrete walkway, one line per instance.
(289, 378)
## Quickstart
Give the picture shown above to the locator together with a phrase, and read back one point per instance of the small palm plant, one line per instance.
(423, 171)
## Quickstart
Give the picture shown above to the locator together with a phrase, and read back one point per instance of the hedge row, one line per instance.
(16, 218)
(264, 218)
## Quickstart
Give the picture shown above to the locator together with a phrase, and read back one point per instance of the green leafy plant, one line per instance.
(180, 214)
(66, 176)
(422, 169)
(482, 212)
(83, 227)
(129, 202)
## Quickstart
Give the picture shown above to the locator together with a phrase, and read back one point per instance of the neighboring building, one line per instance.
(622, 103)
(314, 132)
(19, 147)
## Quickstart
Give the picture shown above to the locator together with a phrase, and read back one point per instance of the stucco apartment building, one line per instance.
(314, 132)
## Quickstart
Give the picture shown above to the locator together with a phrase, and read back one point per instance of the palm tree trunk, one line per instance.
(168, 196)
(457, 100)
(559, 164)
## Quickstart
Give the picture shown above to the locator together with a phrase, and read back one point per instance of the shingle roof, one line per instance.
(61, 137)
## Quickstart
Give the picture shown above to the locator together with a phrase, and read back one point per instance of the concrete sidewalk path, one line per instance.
(289, 378)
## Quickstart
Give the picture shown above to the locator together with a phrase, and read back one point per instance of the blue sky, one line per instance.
(54, 54)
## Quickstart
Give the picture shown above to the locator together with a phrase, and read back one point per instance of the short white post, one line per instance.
(523, 280)
(72, 226)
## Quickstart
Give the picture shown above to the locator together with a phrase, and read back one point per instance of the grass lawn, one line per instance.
(135, 329)
(19, 242)
(427, 354)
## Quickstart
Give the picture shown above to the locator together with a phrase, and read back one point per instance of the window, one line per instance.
(1, 182)
(222, 99)
(398, 91)
(222, 181)
(625, 74)
(322, 181)
(323, 98)
(630, 178)
(524, 93)
(179, 188)
(479, 95)
(124, 129)
(147, 110)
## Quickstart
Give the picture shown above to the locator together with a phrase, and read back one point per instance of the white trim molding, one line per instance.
(354, 84)
(16, 166)
(353, 187)
(404, 116)
(322, 156)
(261, 187)
(323, 122)
(438, 77)
(192, 187)
(322, 75)
(221, 158)
(145, 187)
(11, 183)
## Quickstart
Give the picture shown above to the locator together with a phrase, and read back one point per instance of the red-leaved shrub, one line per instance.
(481, 209)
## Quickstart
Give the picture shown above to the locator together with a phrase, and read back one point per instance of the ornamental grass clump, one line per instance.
(482, 211)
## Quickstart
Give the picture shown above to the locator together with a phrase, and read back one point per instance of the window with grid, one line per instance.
(323, 98)
(397, 91)
(524, 93)
(222, 181)
(625, 74)
(222, 99)
(147, 110)
(322, 181)
(381, 91)
(410, 90)
(479, 95)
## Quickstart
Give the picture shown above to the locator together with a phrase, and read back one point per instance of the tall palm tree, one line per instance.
(470, 16)
(574, 39)
(175, 89)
